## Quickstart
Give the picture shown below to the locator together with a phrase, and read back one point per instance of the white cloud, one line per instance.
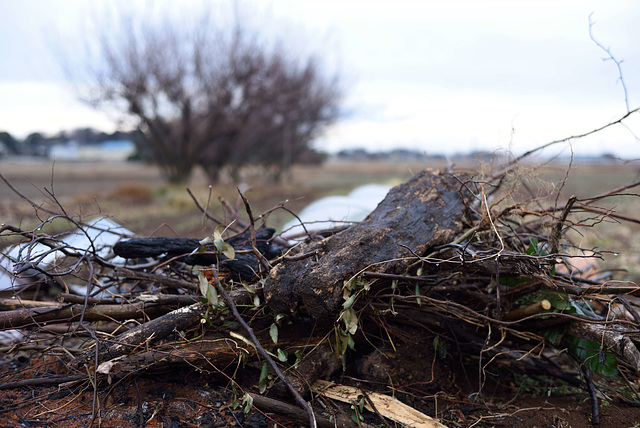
(439, 121)
(28, 106)
(449, 76)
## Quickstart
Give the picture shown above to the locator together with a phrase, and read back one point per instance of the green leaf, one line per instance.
(512, 282)
(342, 341)
(349, 302)
(217, 233)
(282, 355)
(351, 343)
(273, 332)
(220, 245)
(231, 325)
(554, 334)
(535, 249)
(559, 301)
(418, 293)
(228, 251)
(203, 283)
(206, 320)
(212, 295)
(590, 353)
(263, 381)
(440, 347)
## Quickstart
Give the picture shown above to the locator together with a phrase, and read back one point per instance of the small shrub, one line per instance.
(131, 193)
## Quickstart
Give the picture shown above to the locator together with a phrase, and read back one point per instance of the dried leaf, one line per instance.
(350, 320)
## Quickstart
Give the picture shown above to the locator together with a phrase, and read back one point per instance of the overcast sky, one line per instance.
(442, 77)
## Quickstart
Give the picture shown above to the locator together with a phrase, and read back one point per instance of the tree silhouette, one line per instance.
(204, 96)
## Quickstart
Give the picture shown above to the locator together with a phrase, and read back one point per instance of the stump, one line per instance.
(414, 217)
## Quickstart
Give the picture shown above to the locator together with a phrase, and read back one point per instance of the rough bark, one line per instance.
(614, 339)
(147, 333)
(413, 218)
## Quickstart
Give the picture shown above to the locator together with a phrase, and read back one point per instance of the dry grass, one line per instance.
(136, 195)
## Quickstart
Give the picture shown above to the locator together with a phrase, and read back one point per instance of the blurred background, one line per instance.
(120, 101)
(431, 77)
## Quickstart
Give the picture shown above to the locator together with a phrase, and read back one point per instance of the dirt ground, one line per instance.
(189, 397)
(185, 397)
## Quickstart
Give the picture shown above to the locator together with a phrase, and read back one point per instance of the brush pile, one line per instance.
(491, 288)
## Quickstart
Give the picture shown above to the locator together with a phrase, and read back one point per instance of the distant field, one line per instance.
(135, 195)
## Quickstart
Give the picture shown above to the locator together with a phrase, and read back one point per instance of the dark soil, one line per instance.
(190, 398)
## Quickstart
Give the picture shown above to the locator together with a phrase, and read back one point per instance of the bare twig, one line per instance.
(617, 62)
(205, 212)
(33, 204)
(263, 352)
(509, 167)
(256, 252)
(595, 407)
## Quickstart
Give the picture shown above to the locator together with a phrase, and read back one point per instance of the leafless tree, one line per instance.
(279, 104)
(209, 97)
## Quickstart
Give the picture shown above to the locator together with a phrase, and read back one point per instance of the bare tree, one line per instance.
(279, 105)
(209, 97)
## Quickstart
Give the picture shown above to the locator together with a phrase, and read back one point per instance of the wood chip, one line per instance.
(387, 406)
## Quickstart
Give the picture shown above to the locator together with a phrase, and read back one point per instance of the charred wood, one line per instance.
(244, 266)
(414, 217)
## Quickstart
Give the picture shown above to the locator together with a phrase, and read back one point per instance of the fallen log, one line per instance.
(144, 334)
(615, 339)
(414, 217)
(152, 331)
(218, 349)
(270, 405)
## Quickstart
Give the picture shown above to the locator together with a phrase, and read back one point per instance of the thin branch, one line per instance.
(204, 211)
(252, 226)
(263, 352)
(617, 62)
(528, 153)
(33, 204)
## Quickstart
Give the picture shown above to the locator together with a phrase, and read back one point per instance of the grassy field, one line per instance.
(136, 196)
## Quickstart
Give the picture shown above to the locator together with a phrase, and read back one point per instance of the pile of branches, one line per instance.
(491, 278)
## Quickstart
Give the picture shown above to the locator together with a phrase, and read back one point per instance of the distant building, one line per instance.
(113, 150)
(360, 154)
